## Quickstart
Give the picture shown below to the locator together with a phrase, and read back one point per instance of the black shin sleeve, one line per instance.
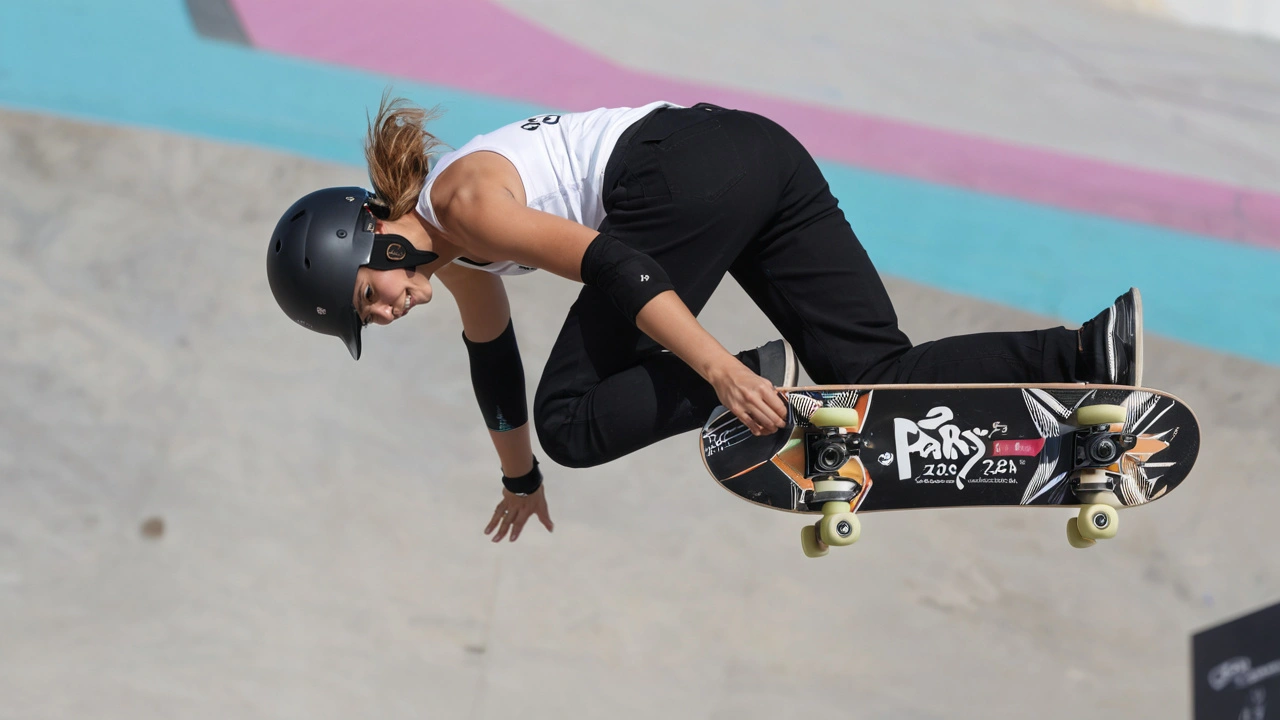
(630, 278)
(497, 375)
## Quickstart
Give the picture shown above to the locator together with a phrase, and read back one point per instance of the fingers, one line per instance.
(763, 411)
(514, 521)
(779, 406)
(498, 514)
(539, 510)
(511, 522)
(752, 398)
(510, 517)
(756, 427)
(545, 517)
(501, 520)
(518, 525)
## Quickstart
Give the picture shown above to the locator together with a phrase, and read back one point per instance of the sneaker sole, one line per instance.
(791, 369)
(1137, 338)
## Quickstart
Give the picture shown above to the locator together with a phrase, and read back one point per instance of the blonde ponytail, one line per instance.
(397, 149)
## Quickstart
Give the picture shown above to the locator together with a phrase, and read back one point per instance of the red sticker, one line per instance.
(1018, 447)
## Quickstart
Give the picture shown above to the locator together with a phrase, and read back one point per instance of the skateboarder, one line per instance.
(649, 208)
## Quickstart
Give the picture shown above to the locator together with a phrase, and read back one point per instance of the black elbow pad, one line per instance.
(630, 278)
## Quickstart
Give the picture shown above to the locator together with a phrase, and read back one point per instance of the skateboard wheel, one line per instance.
(834, 417)
(1100, 415)
(809, 541)
(1074, 537)
(1098, 522)
(839, 529)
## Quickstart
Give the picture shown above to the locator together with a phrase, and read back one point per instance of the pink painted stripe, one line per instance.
(478, 46)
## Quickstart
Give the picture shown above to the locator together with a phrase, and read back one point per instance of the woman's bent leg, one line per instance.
(607, 390)
(811, 276)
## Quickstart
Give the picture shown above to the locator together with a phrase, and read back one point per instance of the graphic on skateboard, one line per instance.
(848, 449)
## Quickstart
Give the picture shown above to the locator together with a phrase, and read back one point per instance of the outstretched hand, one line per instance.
(753, 399)
(515, 510)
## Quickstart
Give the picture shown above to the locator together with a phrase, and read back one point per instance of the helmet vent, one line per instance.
(307, 262)
(277, 246)
(298, 214)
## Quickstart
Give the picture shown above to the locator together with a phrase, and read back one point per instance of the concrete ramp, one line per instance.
(205, 513)
(1247, 17)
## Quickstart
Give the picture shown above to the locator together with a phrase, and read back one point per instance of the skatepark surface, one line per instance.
(205, 513)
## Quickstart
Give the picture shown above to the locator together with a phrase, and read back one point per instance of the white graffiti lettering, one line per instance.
(934, 438)
(714, 442)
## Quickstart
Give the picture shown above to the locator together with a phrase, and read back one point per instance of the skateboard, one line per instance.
(849, 449)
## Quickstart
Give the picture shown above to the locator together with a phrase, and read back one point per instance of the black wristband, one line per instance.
(526, 484)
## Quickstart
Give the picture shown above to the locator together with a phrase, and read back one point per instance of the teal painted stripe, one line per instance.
(141, 63)
(1204, 291)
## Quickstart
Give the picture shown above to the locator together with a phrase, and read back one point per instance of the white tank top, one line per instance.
(560, 159)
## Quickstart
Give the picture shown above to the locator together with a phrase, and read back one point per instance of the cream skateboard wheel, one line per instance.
(1074, 538)
(813, 547)
(1098, 522)
(838, 526)
(1101, 415)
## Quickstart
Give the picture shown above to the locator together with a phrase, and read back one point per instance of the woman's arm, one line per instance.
(486, 315)
(486, 319)
(488, 219)
(753, 399)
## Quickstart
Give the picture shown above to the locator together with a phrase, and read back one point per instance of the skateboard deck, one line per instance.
(852, 449)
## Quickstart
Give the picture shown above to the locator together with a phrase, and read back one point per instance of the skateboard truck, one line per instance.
(838, 524)
(1080, 488)
(1100, 447)
(827, 449)
(1100, 443)
(830, 442)
(834, 489)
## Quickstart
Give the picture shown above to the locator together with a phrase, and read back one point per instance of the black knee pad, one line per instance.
(556, 437)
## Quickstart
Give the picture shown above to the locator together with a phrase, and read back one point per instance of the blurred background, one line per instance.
(205, 513)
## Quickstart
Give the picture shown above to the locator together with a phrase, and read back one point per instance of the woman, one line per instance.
(649, 208)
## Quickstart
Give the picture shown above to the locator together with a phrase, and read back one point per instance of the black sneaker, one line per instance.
(1111, 343)
(775, 362)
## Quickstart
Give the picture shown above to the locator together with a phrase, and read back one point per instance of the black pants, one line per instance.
(705, 192)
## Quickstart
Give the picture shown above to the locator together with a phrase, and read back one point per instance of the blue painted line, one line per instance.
(142, 63)
(1204, 291)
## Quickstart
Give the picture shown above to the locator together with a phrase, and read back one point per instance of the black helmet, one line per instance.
(315, 251)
